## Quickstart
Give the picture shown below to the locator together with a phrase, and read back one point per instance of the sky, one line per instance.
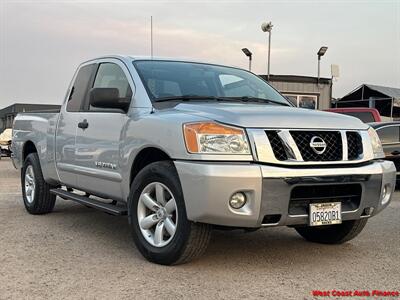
(42, 42)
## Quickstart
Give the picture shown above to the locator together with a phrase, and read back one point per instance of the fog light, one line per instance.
(238, 200)
(386, 193)
(368, 211)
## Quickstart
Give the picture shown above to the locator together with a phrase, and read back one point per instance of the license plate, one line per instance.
(325, 213)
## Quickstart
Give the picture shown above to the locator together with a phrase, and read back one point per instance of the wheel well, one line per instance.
(29, 148)
(146, 157)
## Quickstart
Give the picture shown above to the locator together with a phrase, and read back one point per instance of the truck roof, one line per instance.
(130, 58)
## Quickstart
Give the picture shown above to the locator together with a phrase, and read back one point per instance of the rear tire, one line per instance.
(35, 190)
(187, 241)
(333, 234)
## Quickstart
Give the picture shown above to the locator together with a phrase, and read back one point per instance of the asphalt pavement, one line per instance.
(80, 253)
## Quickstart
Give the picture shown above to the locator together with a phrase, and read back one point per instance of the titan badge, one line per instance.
(105, 165)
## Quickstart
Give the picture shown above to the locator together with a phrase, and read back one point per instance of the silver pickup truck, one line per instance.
(183, 147)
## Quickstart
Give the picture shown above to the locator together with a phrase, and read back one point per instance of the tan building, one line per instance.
(304, 91)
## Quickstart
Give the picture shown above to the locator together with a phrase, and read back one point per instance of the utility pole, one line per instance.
(267, 27)
(151, 36)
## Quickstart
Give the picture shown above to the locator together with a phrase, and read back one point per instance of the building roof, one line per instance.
(297, 78)
(22, 107)
(389, 91)
(386, 91)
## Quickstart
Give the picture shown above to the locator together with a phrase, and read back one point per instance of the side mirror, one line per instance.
(108, 98)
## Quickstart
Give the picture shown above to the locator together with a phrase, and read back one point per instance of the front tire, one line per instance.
(35, 190)
(333, 234)
(157, 216)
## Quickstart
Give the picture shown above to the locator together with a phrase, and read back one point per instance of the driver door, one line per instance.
(98, 143)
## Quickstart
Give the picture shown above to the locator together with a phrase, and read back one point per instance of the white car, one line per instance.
(5, 142)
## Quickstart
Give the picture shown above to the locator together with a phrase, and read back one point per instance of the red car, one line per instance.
(367, 115)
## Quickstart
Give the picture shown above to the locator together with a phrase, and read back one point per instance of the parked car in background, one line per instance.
(5, 142)
(367, 115)
(389, 133)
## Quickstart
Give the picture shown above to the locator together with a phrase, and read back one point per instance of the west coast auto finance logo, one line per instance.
(355, 293)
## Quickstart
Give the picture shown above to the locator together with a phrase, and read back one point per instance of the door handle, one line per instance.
(396, 152)
(84, 124)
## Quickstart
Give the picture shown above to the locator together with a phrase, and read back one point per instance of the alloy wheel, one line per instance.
(29, 184)
(157, 214)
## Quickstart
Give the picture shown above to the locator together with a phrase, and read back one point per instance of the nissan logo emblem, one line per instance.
(318, 145)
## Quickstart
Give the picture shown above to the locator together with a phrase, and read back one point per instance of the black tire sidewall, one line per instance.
(30, 161)
(165, 173)
(43, 202)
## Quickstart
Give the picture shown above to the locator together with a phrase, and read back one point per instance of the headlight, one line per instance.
(214, 138)
(376, 143)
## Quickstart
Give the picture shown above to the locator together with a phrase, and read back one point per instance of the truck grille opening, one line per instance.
(277, 145)
(347, 194)
(354, 144)
(333, 140)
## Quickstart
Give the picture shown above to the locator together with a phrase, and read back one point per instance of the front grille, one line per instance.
(354, 144)
(277, 145)
(333, 140)
(349, 195)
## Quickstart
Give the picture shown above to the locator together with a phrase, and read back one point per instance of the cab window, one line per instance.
(110, 75)
(79, 90)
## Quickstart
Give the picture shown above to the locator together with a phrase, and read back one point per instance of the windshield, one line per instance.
(169, 79)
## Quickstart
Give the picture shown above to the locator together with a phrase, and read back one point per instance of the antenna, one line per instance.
(151, 36)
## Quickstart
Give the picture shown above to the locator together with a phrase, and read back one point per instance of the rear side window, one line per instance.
(389, 135)
(80, 88)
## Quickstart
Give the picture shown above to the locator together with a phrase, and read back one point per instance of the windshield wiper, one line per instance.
(187, 98)
(255, 99)
(215, 98)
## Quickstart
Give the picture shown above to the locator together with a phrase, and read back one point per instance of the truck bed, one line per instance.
(39, 128)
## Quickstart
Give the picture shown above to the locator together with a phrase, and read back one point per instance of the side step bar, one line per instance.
(105, 207)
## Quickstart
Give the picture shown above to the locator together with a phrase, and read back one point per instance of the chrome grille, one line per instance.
(277, 145)
(333, 140)
(289, 146)
(354, 145)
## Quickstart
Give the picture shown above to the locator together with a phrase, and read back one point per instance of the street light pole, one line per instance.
(320, 53)
(319, 66)
(250, 63)
(267, 27)
(269, 53)
(248, 53)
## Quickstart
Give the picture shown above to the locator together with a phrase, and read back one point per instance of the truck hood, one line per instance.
(251, 115)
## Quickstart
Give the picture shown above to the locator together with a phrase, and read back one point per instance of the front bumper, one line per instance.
(208, 186)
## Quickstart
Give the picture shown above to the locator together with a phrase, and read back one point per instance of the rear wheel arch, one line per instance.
(29, 147)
